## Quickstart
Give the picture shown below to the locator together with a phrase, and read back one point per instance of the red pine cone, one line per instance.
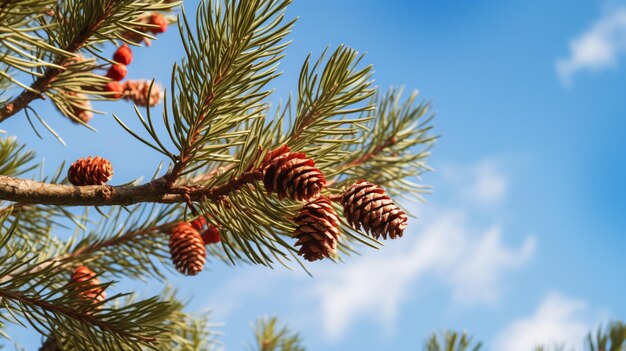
(123, 55)
(159, 20)
(86, 277)
(198, 223)
(366, 204)
(291, 174)
(211, 235)
(90, 171)
(137, 91)
(115, 87)
(187, 249)
(317, 231)
(117, 72)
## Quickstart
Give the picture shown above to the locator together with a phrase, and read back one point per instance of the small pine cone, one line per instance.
(136, 37)
(117, 72)
(211, 235)
(366, 204)
(79, 106)
(291, 174)
(74, 60)
(187, 249)
(123, 55)
(198, 223)
(159, 20)
(137, 91)
(317, 231)
(86, 277)
(90, 171)
(155, 19)
(114, 87)
(82, 109)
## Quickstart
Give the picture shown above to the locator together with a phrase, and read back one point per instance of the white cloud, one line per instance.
(471, 264)
(482, 183)
(448, 250)
(488, 185)
(557, 320)
(596, 49)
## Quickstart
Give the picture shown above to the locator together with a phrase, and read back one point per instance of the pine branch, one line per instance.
(61, 311)
(156, 191)
(235, 49)
(451, 341)
(67, 312)
(611, 338)
(392, 148)
(41, 84)
(181, 331)
(49, 52)
(14, 159)
(270, 337)
(322, 96)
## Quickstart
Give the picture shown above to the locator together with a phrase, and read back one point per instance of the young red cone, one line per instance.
(115, 87)
(211, 235)
(123, 55)
(117, 72)
(159, 20)
(198, 223)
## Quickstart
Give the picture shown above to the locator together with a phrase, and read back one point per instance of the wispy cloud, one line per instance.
(470, 263)
(557, 320)
(597, 48)
(481, 183)
(448, 247)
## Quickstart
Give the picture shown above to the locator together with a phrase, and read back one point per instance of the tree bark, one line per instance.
(158, 191)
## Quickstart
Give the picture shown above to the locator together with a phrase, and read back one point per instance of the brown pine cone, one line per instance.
(80, 108)
(137, 92)
(187, 249)
(291, 174)
(90, 171)
(86, 277)
(317, 231)
(366, 204)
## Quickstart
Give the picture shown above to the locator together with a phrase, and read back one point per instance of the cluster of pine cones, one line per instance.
(290, 175)
(139, 92)
(365, 205)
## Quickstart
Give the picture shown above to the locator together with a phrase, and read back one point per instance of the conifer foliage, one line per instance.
(247, 181)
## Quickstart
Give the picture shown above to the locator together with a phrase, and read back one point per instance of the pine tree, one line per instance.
(451, 341)
(246, 181)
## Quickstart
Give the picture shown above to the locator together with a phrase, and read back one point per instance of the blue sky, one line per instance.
(522, 240)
